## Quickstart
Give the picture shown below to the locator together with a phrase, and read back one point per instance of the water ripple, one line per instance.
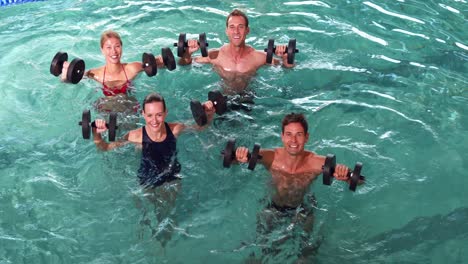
(314, 3)
(369, 37)
(306, 14)
(461, 46)
(382, 10)
(449, 8)
(410, 33)
(321, 104)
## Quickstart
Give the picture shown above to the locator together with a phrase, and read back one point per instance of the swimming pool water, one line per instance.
(383, 83)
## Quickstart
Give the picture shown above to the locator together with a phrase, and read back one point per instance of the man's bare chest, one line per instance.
(233, 65)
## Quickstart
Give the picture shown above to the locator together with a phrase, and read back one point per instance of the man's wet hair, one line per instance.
(154, 97)
(295, 118)
(237, 12)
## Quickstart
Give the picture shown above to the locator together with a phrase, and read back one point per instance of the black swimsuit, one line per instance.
(159, 160)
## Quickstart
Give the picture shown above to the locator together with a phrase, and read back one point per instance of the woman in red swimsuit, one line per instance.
(115, 76)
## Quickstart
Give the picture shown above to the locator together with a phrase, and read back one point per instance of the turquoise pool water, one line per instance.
(384, 83)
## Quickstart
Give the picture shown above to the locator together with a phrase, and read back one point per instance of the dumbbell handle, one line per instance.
(93, 124)
(233, 155)
(186, 44)
(350, 174)
(286, 51)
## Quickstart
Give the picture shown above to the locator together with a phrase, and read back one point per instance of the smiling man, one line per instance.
(235, 62)
(293, 169)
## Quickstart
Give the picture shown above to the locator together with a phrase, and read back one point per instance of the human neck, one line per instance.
(113, 67)
(156, 135)
(237, 51)
(293, 162)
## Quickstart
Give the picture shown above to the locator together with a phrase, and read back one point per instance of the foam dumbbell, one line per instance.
(86, 125)
(182, 44)
(229, 155)
(198, 113)
(76, 68)
(291, 50)
(329, 168)
(149, 62)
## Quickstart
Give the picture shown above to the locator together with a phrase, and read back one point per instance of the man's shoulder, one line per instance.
(314, 158)
(257, 51)
(268, 151)
(213, 54)
(258, 56)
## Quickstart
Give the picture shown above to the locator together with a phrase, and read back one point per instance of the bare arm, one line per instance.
(186, 59)
(260, 59)
(193, 46)
(268, 155)
(90, 74)
(178, 128)
(208, 106)
(212, 55)
(133, 69)
(103, 145)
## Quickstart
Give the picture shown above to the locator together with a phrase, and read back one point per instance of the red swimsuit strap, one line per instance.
(104, 76)
(123, 68)
(108, 91)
